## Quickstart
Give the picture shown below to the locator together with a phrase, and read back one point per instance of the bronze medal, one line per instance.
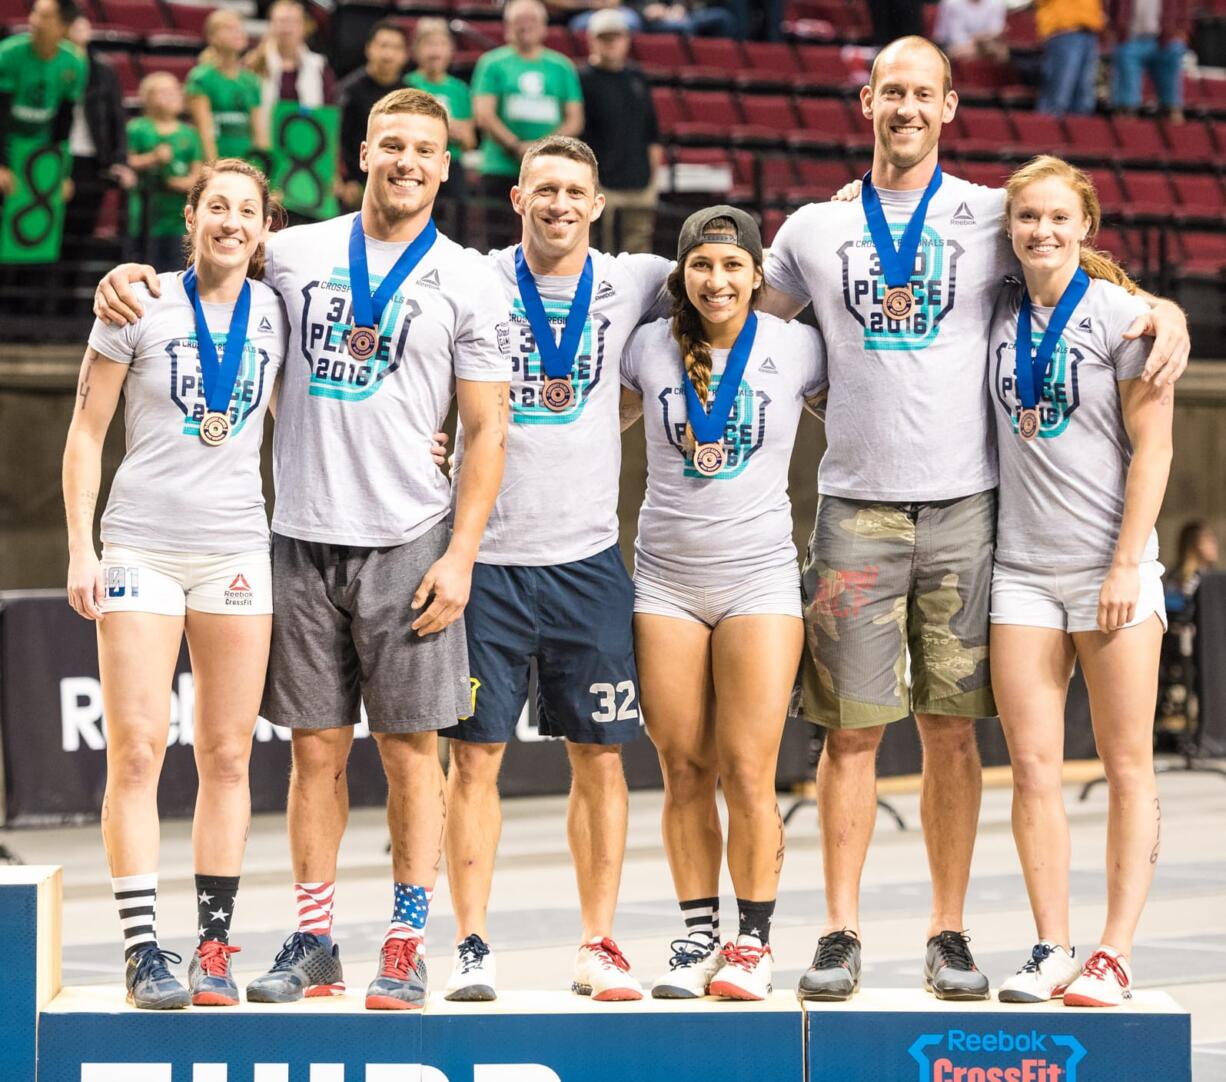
(898, 302)
(1028, 424)
(215, 428)
(709, 458)
(558, 394)
(363, 341)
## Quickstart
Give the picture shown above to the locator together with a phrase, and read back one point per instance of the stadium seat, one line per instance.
(1190, 142)
(989, 174)
(819, 179)
(178, 66)
(1203, 254)
(660, 55)
(771, 64)
(771, 222)
(1140, 139)
(139, 16)
(1090, 138)
(827, 122)
(709, 116)
(1110, 194)
(14, 12)
(983, 130)
(1198, 195)
(714, 61)
(1147, 194)
(668, 109)
(1113, 242)
(1039, 133)
(1020, 30)
(561, 40)
(769, 119)
(124, 67)
(823, 66)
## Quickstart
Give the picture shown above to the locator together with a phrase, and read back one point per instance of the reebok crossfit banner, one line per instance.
(32, 223)
(304, 158)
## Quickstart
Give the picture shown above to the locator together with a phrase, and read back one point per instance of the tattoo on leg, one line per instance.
(782, 843)
(1153, 853)
(442, 830)
(106, 808)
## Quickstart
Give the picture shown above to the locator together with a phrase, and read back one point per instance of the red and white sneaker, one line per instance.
(746, 972)
(1105, 981)
(602, 972)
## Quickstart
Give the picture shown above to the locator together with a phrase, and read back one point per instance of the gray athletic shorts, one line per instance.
(341, 637)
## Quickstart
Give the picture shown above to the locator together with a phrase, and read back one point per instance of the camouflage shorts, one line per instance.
(886, 580)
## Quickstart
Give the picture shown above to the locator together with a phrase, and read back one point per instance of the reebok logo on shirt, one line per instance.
(239, 592)
(962, 216)
(767, 366)
(430, 279)
(605, 291)
(1085, 325)
(265, 325)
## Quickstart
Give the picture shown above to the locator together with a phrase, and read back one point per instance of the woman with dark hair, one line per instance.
(185, 548)
(717, 610)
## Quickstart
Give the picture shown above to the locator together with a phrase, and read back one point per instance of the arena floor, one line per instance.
(534, 927)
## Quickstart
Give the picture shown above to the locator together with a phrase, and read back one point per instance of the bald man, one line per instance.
(899, 566)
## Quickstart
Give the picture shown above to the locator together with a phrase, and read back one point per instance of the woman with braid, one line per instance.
(717, 611)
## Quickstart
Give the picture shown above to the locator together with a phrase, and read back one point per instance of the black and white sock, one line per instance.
(137, 899)
(754, 919)
(701, 915)
(215, 896)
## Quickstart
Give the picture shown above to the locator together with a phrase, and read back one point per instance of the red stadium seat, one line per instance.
(1039, 133)
(1140, 139)
(1113, 242)
(660, 54)
(668, 109)
(709, 115)
(178, 66)
(1190, 142)
(989, 174)
(1148, 193)
(561, 40)
(1204, 254)
(820, 178)
(714, 60)
(124, 67)
(768, 119)
(1198, 195)
(983, 129)
(823, 65)
(772, 220)
(770, 63)
(139, 16)
(1090, 137)
(827, 122)
(1020, 29)
(1110, 194)
(773, 170)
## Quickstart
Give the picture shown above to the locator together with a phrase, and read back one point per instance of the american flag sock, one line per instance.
(315, 903)
(701, 915)
(410, 910)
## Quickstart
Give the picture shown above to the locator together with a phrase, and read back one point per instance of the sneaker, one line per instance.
(746, 972)
(307, 965)
(1045, 975)
(1105, 981)
(401, 983)
(949, 969)
(694, 962)
(602, 972)
(472, 974)
(208, 976)
(835, 972)
(150, 983)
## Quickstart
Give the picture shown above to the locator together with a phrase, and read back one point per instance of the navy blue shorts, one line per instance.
(576, 620)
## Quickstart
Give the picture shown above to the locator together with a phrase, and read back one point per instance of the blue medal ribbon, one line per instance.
(709, 427)
(368, 309)
(898, 263)
(219, 376)
(1030, 369)
(558, 359)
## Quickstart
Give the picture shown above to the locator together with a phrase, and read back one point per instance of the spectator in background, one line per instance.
(42, 75)
(1151, 38)
(522, 92)
(167, 155)
(387, 53)
(1197, 553)
(433, 50)
(581, 12)
(1069, 31)
(223, 96)
(96, 140)
(966, 29)
(621, 129)
(687, 17)
(287, 69)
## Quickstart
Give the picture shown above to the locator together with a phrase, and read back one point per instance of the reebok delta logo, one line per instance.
(265, 325)
(1085, 325)
(430, 279)
(605, 291)
(962, 216)
(239, 593)
(958, 1055)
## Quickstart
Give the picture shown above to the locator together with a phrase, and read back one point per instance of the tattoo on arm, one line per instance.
(1153, 853)
(83, 384)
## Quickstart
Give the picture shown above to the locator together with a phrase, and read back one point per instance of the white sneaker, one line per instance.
(1045, 975)
(695, 961)
(472, 973)
(746, 972)
(602, 972)
(1105, 981)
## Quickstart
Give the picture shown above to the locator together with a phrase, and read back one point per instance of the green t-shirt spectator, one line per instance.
(232, 99)
(532, 97)
(453, 95)
(39, 87)
(165, 204)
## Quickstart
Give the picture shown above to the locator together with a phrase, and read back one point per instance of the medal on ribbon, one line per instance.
(708, 426)
(898, 262)
(557, 358)
(1030, 369)
(218, 376)
(368, 308)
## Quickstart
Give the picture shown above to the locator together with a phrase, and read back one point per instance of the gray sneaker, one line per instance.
(950, 971)
(150, 983)
(305, 966)
(835, 972)
(401, 983)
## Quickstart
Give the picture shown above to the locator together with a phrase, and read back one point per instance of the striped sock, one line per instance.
(137, 899)
(410, 910)
(315, 904)
(702, 915)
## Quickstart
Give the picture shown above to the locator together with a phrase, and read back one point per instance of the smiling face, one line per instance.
(1047, 224)
(558, 201)
(228, 222)
(405, 157)
(907, 103)
(720, 280)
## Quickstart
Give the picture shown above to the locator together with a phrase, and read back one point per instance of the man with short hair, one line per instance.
(549, 586)
(903, 283)
(387, 53)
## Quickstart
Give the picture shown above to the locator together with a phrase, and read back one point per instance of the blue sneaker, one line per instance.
(208, 975)
(401, 983)
(150, 983)
(305, 966)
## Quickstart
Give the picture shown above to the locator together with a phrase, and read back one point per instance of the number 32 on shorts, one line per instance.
(616, 703)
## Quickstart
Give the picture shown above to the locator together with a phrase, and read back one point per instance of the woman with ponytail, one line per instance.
(223, 97)
(184, 548)
(717, 622)
(1085, 449)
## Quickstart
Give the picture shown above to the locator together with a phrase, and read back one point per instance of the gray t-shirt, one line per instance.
(1062, 494)
(721, 530)
(558, 500)
(351, 451)
(172, 492)
(907, 416)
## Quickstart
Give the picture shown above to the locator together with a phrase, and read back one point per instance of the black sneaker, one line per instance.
(950, 971)
(835, 972)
